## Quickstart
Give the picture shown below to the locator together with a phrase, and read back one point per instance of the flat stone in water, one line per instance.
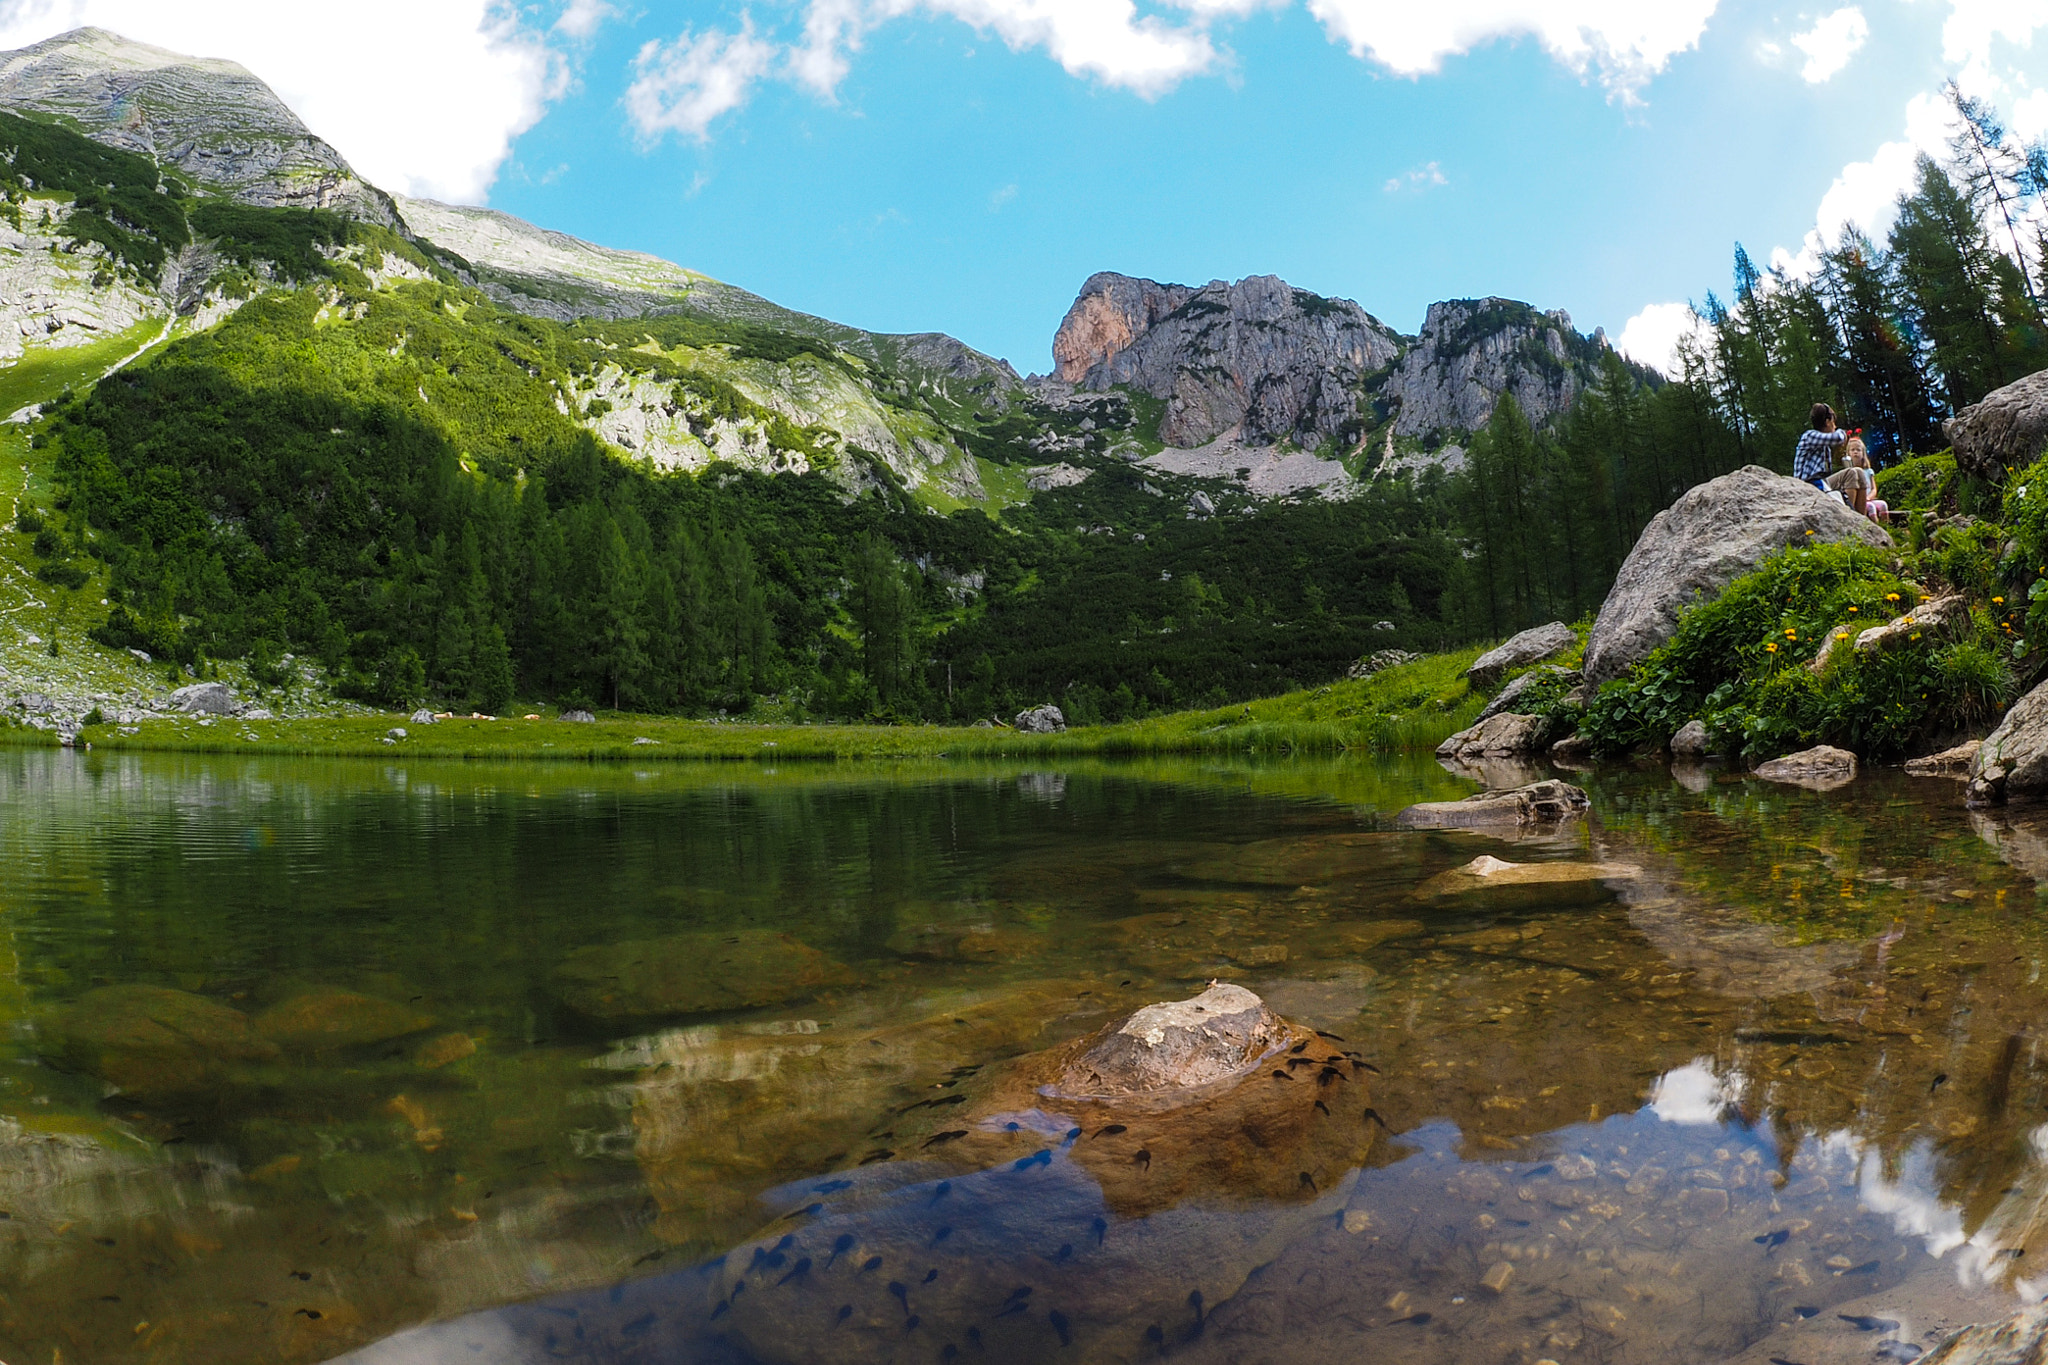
(1537, 803)
(696, 973)
(152, 1040)
(1220, 1034)
(316, 1020)
(1821, 768)
(1486, 872)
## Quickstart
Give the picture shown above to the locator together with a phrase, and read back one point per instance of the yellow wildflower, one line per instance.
(1771, 648)
(1891, 597)
(1841, 635)
(1791, 634)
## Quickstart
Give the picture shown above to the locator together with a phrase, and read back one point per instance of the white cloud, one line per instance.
(684, 85)
(1973, 26)
(1001, 197)
(582, 18)
(423, 99)
(1694, 1093)
(1106, 39)
(1629, 41)
(1421, 178)
(1652, 336)
(1865, 195)
(1831, 42)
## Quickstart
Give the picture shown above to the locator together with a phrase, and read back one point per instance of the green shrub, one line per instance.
(62, 573)
(27, 519)
(1926, 483)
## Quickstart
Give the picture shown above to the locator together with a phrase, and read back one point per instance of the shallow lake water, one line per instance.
(680, 1064)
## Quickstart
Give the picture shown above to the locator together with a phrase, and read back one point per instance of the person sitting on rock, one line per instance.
(1855, 482)
(1815, 457)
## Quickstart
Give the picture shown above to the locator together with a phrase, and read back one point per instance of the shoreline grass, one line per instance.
(1416, 705)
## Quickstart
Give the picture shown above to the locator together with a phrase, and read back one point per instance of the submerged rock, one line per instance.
(1530, 646)
(1041, 720)
(1537, 803)
(1821, 768)
(1506, 698)
(1485, 872)
(1181, 1044)
(2006, 429)
(1954, 762)
(695, 973)
(1693, 549)
(152, 1040)
(2014, 758)
(1498, 736)
(318, 1020)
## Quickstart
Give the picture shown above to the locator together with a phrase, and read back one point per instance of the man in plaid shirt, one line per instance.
(1814, 460)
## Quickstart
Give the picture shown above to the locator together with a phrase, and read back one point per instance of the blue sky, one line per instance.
(962, 165)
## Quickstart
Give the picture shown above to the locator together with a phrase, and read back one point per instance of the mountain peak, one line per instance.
(208, 119)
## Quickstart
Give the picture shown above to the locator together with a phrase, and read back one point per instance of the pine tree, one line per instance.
(1945, 267)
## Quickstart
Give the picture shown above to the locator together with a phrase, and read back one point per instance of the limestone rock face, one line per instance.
(1220, 1034)
(211, 120)
(2014, 759)
(2008, 427)
(1954, 762)
(1690, 741)
(1041, 720)
(205, 699)
(1528, 647)
(1536, 803)
(1472, 351)
(1259, 358)
(152, 1040)
(1498, 736)
(1693, 549)
(1507, 697)
(1820, 768)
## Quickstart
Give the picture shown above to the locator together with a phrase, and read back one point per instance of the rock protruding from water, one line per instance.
(1699, 545)
(1498, 736)
(2014, 759)
(1488, 873)
(2006, 429)
(703, 972)
(1821, 768)
(1041, 720)
(1506, 698)
(1530, 646)
(1954, 762)
(1180, 1045)
(2021, 1339)
(1535, 804)
(205, 699)
(153, 1040)
(1691, 741)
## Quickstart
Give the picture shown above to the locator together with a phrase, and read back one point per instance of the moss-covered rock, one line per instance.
(702, 972)
(152, 1040)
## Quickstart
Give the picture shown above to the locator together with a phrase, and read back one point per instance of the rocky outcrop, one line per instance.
(1506, 698)
(1472, 351)
(1041, 720)
(1691, 741)
(1178, 1046)
(1518, 651)
(1941, 616)
(1378, 662)
(1955, 762)
(2021, 1339)
(1693, 549)
(2014, 758)
(1501, 735)
(210, 120)
(1258, 358)
(2006, 429)
(1821, 768)
(1538, 803)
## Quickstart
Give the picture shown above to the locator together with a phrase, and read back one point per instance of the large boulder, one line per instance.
(1691, 741)
(2014, 758)
(1218, 1035)
(321, 1019)
(1531, 646)
(1041, 720)
(1955, 762)
(1536, 804)
(2004, 430)
(205, 699)
(1498, 736)
(1507, 697)
(153, 1040)
(1821, 768)
(1699, 545)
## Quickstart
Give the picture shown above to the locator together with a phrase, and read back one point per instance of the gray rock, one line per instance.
(258, 713)
(2021, 1339)
(422, 717)
(1506, 698)
(1497, 736)
(1041, 720)
(1571, 749)
(1201, 505)
(2007, 429)
(1713, 535)
(579, 717)
(1821, 768)
(1535, 804)
(983, 724)
(1690, 741)
(1471, 351)
(2014, 759)
(396, 732)
(1941, 616)
(205, 699)
(141, 656)
(1955, 762)
(1379, 662)
(1219, 1035)
(1528, 647)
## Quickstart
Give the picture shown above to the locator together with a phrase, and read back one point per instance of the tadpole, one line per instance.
(951, 1135)
(802, 1267)
(1772, 1239)
(1059, 1325)
(930, 1275)
(902, 1293)
(841, 1244)
(1111, 1130)
(871, 1263)
(845, 1312)
(1373, 1116)
(1324, 1107)
(1309, 1181)
(1143, 1159)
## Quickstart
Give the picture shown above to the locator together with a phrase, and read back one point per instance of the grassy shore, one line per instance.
(1415, 705)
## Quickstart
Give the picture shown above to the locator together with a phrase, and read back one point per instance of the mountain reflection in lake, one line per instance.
(704, 1064)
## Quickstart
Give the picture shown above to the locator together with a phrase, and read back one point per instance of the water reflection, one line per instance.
(301, 1054)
